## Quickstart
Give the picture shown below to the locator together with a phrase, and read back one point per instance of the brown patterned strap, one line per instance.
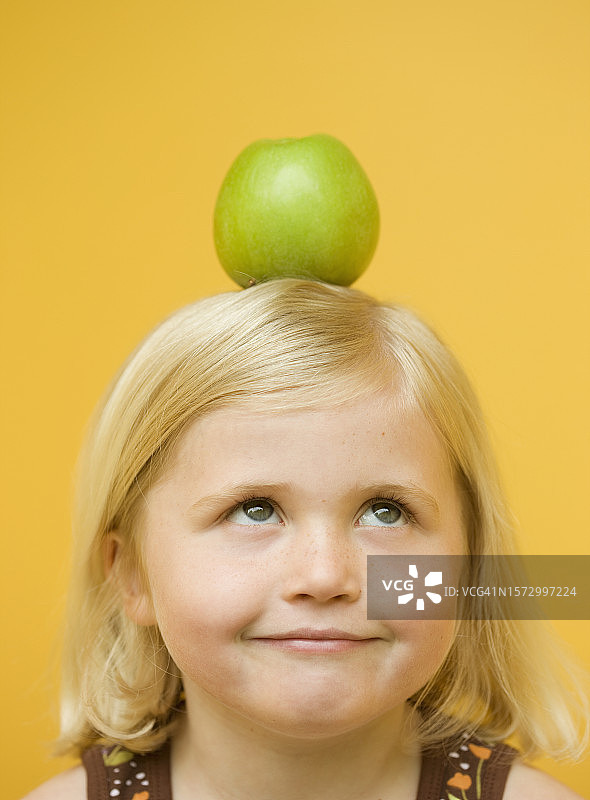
(96, 779)
(472, 771)
(114, 773)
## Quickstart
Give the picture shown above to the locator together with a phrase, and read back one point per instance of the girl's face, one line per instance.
(256, 540)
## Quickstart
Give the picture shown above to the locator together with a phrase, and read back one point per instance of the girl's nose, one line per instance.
(324, 565)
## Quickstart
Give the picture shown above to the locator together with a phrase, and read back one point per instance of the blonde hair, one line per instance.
(291, 344)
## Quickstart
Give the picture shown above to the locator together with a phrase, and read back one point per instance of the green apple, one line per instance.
(296, 208)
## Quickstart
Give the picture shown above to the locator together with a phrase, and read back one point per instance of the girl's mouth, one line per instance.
(315, 640)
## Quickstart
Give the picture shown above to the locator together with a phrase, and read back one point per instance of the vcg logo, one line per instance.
(407, 586)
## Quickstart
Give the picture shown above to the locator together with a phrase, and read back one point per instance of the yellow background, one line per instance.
(119, 121)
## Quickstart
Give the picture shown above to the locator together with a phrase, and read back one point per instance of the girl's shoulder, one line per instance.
(526, 781)
(474, 770)
(111, 772)
(69, 785)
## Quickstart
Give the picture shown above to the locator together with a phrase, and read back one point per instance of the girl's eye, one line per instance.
(383, 513)
(254, 512)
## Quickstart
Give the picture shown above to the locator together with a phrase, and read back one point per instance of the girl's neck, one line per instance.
(218, 756)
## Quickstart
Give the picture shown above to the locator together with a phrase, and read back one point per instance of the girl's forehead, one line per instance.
(386, 422)
(281, 410)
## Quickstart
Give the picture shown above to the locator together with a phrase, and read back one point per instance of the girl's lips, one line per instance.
(318, 634)
(313, 640)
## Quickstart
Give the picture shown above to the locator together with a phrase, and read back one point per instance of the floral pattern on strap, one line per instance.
(127, 776)
(467, 762)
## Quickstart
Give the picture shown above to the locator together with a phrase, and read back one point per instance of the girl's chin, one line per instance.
(321, 720)
(315, 707)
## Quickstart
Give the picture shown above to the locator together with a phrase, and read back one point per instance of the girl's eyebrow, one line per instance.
(409, 492)
(235, 491)
(405, 492)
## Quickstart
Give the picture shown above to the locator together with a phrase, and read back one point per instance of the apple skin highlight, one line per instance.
(297, 208)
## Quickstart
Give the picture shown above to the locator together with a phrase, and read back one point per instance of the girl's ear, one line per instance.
(126, 577)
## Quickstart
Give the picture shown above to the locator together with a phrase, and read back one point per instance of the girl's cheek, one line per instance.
(204, 601)
(433, 636)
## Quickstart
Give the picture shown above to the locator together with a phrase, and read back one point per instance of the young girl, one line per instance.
(249, 456)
